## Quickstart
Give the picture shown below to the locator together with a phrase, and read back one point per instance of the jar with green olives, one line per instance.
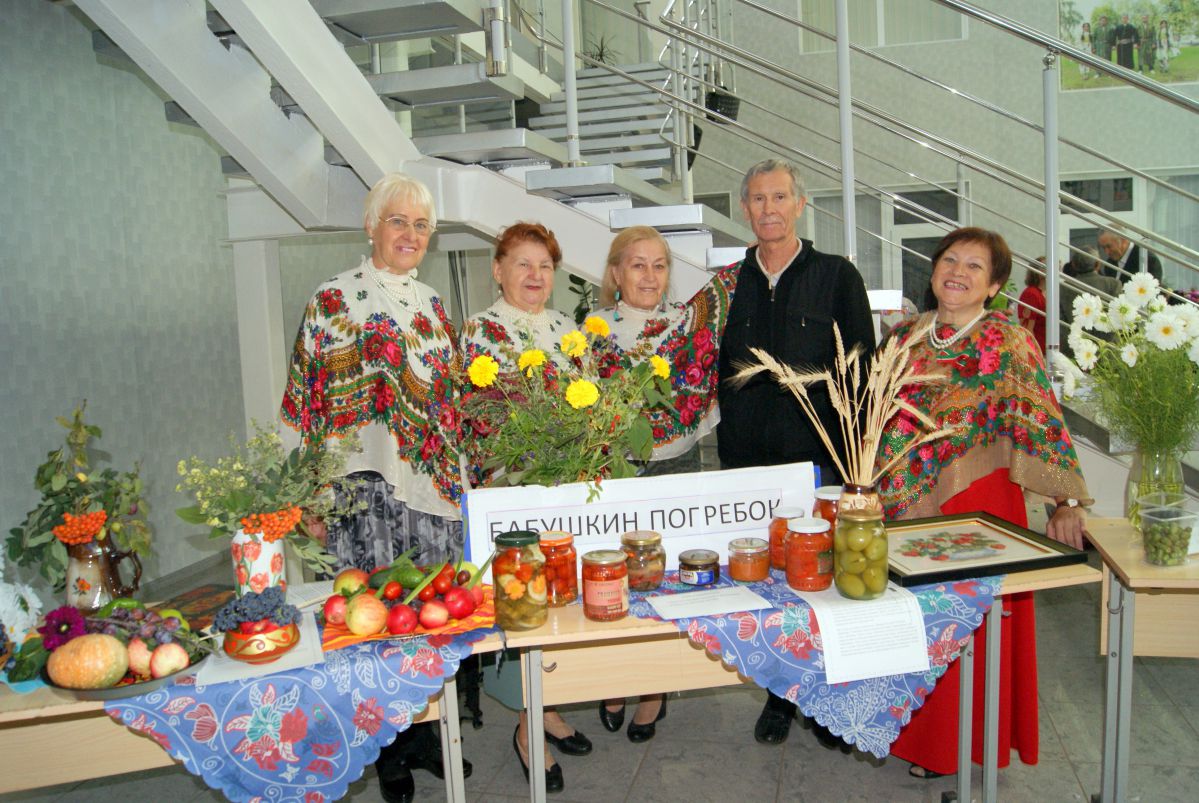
(860, 554)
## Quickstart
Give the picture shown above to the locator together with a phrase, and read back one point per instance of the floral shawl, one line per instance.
(688, 337)
(999, 394)
(503, 331)
(377, 354)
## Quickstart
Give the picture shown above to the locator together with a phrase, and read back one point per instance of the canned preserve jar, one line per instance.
(561, 567)
(645, 557)
(699, 567)
(809, 554)
(518, 573)
(828, 498)
(860, 554)
(778, 535)
(605, 585)
(749, 559)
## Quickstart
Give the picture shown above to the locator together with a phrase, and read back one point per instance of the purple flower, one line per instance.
(62, 625)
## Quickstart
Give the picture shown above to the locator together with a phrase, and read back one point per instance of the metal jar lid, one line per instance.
(553, 538)
(604, 557)
(828, 493)
(641, 538)
(698, 557)
(516, 538)
(787, 512)
(807, 525)
(747, 546)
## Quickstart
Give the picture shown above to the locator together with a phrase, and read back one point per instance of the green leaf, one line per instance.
(93, 430)
(58, 482)
(192, 514)
(641, 438)
(29, 661)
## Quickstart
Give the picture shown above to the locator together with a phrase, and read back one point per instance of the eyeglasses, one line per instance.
(420, 228)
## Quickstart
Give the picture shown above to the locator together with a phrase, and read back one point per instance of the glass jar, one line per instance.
(646, 559)
(699, 567)
(749, 559)
(561, 567)
(828, 498)
(778, 535)
(860, 554)
(518, 573)
(1169, 522)
(810, 554)
(859, 497)
(605, 585)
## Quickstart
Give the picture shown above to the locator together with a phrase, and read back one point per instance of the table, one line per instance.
(1169, 595)
(572, 659)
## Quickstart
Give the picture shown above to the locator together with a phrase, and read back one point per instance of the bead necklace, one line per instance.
(945, 342)
(394, 294)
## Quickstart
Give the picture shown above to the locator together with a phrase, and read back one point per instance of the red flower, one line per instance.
(1053, 434)
(393, 353)
(686, 417)
(695, 403)
(1026, 407)
(680, 359)
(926, 452)
(702, 340)
(448, 419)
(967, 366)
(237, 552)
(253, 550)
(659, 433)
(373, 347)
(384, 395)
(988, 363)
(242, 575)
(422, 324)
(707, 359)
(276, 563)
(693, 374)
(331, 302)
(258, 583)
(343, 420)
(314, 797)
(915, 467)
(431, 446)
(294, 726)
(654, 327)
(62, 625)
(369, 716)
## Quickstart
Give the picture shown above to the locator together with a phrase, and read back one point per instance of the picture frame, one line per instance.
(969, 545)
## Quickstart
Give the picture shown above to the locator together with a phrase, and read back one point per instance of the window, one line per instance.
(874, 23)
(829, 233)
(1112, 194)
(942, 202)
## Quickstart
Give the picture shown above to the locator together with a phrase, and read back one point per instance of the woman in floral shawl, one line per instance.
(1012, 439)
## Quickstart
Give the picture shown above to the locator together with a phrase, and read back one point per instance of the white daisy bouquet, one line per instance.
(1142, 354)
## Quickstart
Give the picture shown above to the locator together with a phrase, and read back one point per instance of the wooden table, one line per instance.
(1169, 598)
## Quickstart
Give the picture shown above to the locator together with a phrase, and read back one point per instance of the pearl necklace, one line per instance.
(946, 342)
(393, 293)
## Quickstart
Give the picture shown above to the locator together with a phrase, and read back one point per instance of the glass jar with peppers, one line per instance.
(827, 502)
(646, 559)
(809, 554)
(518, 573)
(561, 567)
(778, 535)
(605, 585)
(749, 559)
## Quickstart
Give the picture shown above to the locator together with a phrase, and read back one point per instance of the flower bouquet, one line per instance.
(260, 496)
(577, 419)
(86, 522)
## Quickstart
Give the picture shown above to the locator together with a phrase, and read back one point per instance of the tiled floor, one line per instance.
(704, 749)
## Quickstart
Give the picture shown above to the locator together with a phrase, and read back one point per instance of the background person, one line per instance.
(1103, 39)
(1125, 37)
(1126, 255)
(1083, 268)
(1031, 309)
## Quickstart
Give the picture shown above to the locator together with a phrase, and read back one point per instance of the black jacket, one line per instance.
(761, 423)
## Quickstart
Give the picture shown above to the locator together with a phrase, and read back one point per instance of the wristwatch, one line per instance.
(1068, 503)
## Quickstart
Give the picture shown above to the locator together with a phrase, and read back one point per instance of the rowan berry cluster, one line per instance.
(273, 526)
(80, 529)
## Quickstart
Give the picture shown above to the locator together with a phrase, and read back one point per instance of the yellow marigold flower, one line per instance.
(661, 367)
(573, 344)
(581, 393)
(483, 370)
(597, 326)
(81, 477)
(533, 358)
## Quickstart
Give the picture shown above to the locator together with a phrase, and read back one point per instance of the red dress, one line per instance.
(1034, 298)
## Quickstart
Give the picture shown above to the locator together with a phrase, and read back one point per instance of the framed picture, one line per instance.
(969, 545)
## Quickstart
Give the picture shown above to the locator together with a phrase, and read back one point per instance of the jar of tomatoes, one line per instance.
(778, 535)
(646, 559)
(827, 502)
(809, 554)
(605, 585)
(561, 567)
(518, 573)
(749, 559)
(860, 554)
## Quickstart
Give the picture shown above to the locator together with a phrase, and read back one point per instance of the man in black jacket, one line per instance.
(788, 297)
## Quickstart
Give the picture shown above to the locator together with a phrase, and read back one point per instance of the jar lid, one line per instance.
(860, 514)
(604, 557)
(747, 546)
(641, 538)
(829, 493)
(700, 556)
(807, 525)
(557, 538)
(787, 512)
(516, 538)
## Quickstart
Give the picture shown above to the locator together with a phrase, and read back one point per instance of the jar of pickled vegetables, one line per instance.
(809, 554)
(860, 554)
(605, 585)
(749, 559)
(518, 573)
(561, 567)
(827, 502)
(646, 559)
(778, 535)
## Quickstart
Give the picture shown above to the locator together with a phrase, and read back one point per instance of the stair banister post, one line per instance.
(495, 18)
(1049, 87)
(684, 123)
(676, 69)
(845, 113)
(573, 157)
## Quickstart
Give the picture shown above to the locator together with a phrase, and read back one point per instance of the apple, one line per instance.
(434, 614)
(167, 659)
(401, 620)
(365, 615)
(350, 580)
(459, 602)
(335, 610)
(139, 657)
(476, 592)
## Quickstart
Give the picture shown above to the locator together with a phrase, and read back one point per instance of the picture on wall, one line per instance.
(1157, 38)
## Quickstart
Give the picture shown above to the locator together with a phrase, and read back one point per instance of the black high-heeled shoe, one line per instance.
(554, 782)
(611, 720)
(574, 745)
(643, 733)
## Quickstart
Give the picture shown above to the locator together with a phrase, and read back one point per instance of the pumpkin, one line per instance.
(94, 661)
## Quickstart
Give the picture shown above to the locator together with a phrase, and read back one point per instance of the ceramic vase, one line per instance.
(257, 563)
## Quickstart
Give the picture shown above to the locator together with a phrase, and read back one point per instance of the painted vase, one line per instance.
(257, 563)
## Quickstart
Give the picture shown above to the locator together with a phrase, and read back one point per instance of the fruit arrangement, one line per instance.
(259, 627)
(397, 598)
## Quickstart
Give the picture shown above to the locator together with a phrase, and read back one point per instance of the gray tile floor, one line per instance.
(704, 749)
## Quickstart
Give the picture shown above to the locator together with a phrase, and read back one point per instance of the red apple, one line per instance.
(476, 592)
(139, 657)
(335, 610)
(349, 580)
(434, 614)
(459, 602)
(167, 659)
(365, 615)
(401, 620)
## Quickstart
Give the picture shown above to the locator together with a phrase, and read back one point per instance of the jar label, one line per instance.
(824, 562)
(697, 577)
(606, 596)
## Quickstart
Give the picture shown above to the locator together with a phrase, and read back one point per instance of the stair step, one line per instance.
(591, 73)
(371, 21)
(568, 183)
(659, 175)
(452, 84)
(641, 100)
(624, 88)
(660, 156)
(599, 129)
(619, 143)
(486, 147)
(631, 120)
(684, 217)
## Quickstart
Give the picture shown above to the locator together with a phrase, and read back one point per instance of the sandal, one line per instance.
(917, 771)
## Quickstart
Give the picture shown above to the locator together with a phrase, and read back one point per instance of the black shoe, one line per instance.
(611, 720)
(827, 739)
(643, 733)
(774, 723)
(430, 760)
(554, 782)
(574, 745)
(396, 784)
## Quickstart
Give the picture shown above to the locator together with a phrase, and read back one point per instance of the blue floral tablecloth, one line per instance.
(299, 735)
(779, 649)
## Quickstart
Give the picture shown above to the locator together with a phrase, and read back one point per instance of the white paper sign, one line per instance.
(714, 602)
(705, 509)
(869, 639)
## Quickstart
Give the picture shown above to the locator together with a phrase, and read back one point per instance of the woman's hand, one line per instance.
(1068, 525)
(317, 529)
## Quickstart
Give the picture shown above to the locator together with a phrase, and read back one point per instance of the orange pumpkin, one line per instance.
(94, 661)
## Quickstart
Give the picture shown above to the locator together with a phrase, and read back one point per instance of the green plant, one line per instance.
(601, 50)
(79, 504)
(585, 291)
